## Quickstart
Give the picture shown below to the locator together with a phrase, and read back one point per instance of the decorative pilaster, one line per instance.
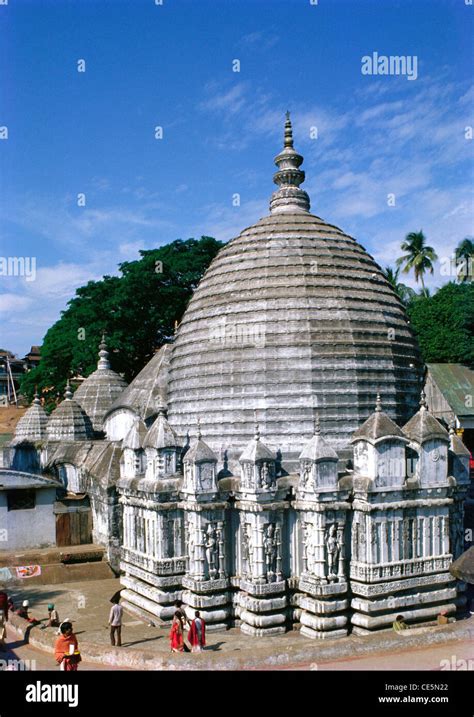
(261, 603)
(321, 506)
(206, 579)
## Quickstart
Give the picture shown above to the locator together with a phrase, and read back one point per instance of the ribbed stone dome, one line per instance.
(68, 422)
(100, 390)
(292, 320)
(32, 425)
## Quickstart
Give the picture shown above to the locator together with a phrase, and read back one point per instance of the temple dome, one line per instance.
(378, 427)
(68, 422)
(32, 425)
(423, 426)
(293, 318)
(100, 390)
(136, 436)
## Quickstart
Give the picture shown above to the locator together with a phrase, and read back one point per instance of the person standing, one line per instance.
(197, 633)
(176, 633)
(115, 622)
(66, 650)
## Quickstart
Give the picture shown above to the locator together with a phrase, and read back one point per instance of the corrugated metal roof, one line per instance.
(455, 382)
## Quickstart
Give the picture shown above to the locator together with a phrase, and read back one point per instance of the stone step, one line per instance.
(58, 565)
(57, 573)
(45, 556)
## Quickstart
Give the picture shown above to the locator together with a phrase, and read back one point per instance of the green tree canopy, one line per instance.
(137, 311)
(444, 324)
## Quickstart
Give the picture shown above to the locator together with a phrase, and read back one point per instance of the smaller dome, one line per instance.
(68, 422)
(424, 427)
(136, 436)
(317, 449)
(200, 452)
(100, 390)
(32, 425)
(378, 426)
(255, 450)
(161, 435)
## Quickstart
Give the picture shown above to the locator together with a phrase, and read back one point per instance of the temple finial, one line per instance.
(288, 131)
(103, 354)
(199, 434)
(68, 392)
(289, 197)
(36, 399)
(378, 403)
(423, 405)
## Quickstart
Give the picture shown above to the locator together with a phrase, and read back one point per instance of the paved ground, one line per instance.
(87, 604)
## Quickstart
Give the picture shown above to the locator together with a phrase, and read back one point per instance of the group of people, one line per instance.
(196, 635)
(7, 606)
(66, 650)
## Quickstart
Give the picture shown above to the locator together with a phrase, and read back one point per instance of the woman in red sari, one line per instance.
(176, 633)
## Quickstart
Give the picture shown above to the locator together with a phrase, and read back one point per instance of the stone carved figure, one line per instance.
(308, 482)
(265, 476)
(270, 549)
(333, 550)
(211, 551)
(247, 549)
(311, 547)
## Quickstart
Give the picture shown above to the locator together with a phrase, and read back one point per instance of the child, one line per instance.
(66, 649)
(197, 633)
(53, 616)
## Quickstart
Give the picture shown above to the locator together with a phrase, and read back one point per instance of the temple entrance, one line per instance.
(73, 521)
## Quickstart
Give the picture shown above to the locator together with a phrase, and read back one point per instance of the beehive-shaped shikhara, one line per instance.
(293, 319)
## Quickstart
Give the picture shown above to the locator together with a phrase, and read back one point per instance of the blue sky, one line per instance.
(171, 65)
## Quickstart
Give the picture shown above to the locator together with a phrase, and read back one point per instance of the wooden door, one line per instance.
(63, 529)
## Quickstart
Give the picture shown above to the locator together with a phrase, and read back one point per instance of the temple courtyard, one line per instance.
(146, 646)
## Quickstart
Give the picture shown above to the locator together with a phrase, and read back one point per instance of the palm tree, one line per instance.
(419, 256)
(464, 258)
(404, 292)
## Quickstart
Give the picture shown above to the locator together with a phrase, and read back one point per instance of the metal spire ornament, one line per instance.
(289, 197)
